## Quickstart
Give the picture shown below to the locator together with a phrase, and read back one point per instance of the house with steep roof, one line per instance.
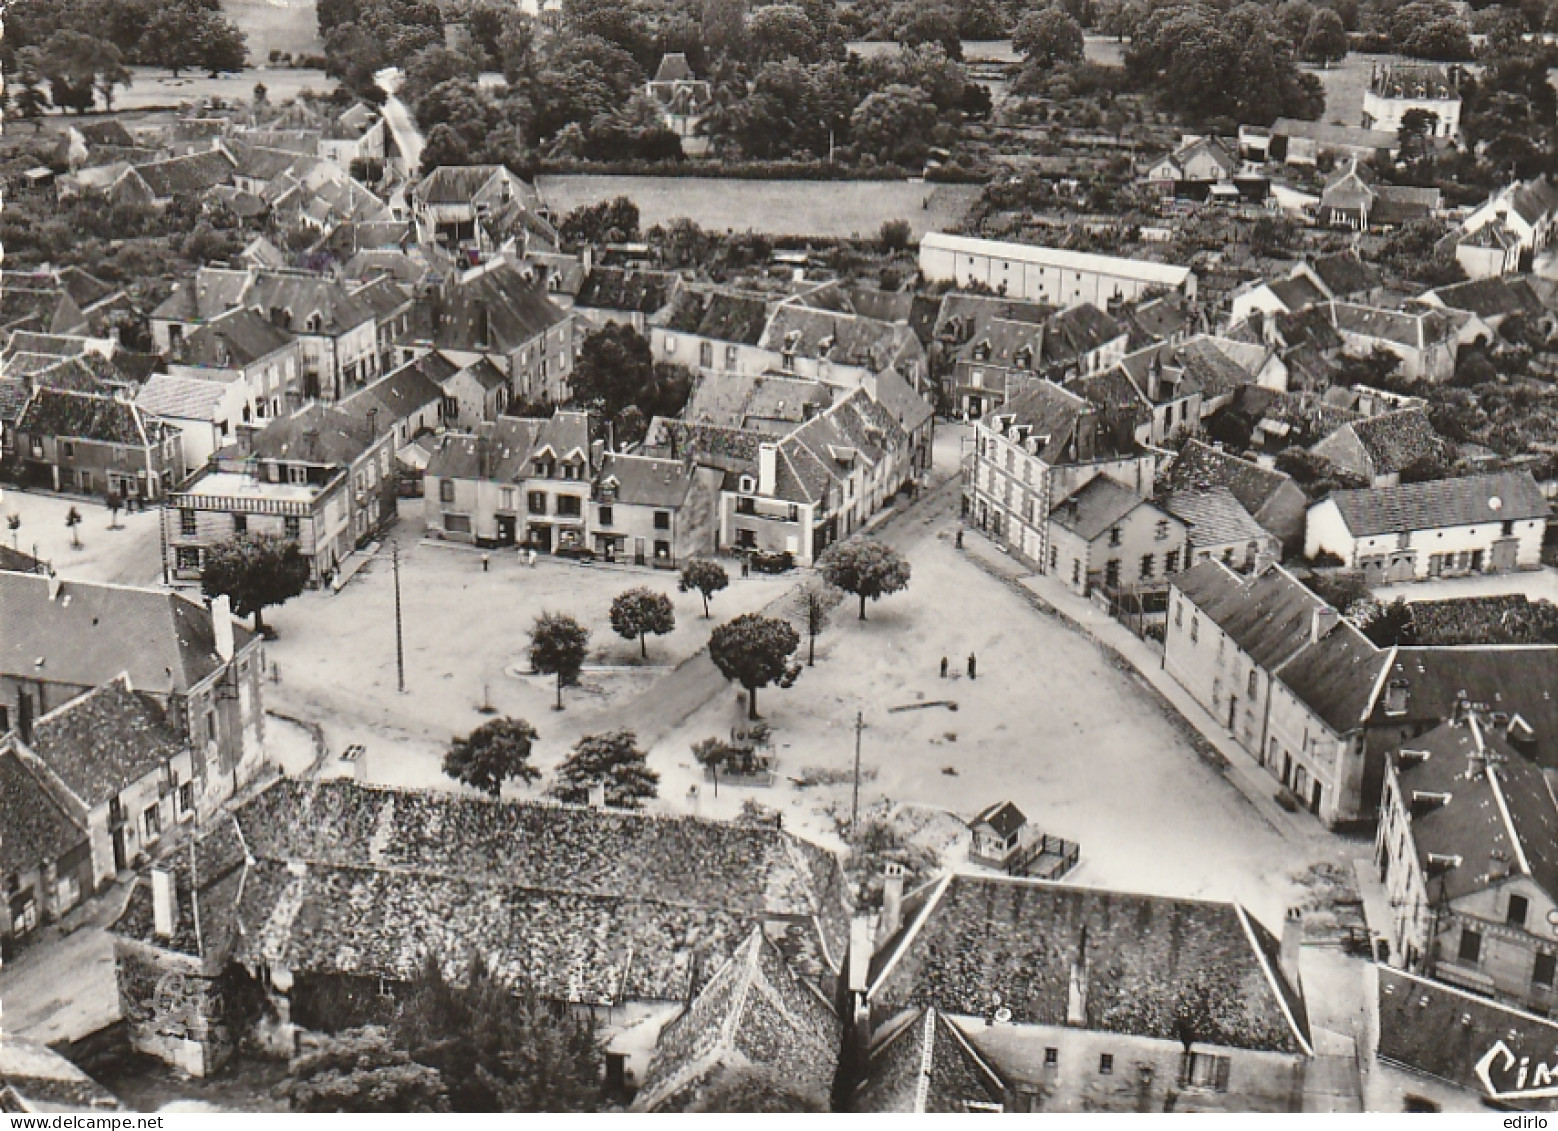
(97, 443)
(1468, 849)
(46, 858)
(315, 886)
(1269, 496)
(1377, 449)
(651, 510)
(754, 1023)
(498, 312)
(319, 476)
(244, 349)
(1106, 535)
(66, 639)
(1039, 449)
(1290, 679)
(1218, 526)
(514, 480)
(1005, 994)
(1439, 528)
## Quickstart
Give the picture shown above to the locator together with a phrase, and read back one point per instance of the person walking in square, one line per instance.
(973, 666)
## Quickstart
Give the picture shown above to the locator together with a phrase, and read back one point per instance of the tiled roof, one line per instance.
(1215, 517)
(1268, 615)
(1510, 496)
(1142, 958)
(89, 633)
(625, 288)
(87, 416)
(1442, 1032)
(40, 824)
(105, 740)
(316, 434)
(591, 906)
(1093, 508)
(1396, 440)
(927, 1064)
(754, 1012)
(1199, 464)
(1516, 680)
(1500, 809)
(185, 398)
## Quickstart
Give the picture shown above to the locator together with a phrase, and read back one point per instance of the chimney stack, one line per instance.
(1292, 943)
(222, 626)
(598, 795)
(163, 902)
(892, 901)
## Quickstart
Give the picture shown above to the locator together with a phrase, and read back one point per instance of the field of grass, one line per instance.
(276, 25)
(796, 208)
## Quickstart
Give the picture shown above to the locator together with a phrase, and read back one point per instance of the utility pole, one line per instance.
(854, 800)
(400, 651)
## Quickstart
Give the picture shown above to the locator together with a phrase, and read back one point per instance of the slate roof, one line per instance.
(314, 434)
(1215, 517)
(232, 340)
(625, 288)
(1003, 817)
(1504, 811)
(184, 398)
(927, 1064)
(591, 905)
(1201, 464)
(1268, 615)
(753, 1013)
(1441, 503)
(1297, 293)
(1070, 429)
(88, 416)
(979, 936)
(1345, 273)
(646, 481)
(499, 310)
(1093, 508)
(1443, 1032)
(105, 740)
(722, 315)
(90, 633)
(1517, 680)
(1336, 677)
(40, 824)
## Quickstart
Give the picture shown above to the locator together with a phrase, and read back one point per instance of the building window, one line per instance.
(1203, 1070)
(1515, 915)
(1051, 1057)
(536, 502)
(662, 520)
(1106, 1064)
(151, 824)
(1471, 946)
(1146, 567)
(446, 490)
(187, 522)
(292, 527)
(1542, 972)
(240, 524)
(605, 516)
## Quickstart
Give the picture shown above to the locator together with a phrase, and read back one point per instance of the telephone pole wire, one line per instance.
(400, 650)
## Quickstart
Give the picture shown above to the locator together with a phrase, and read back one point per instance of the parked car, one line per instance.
(772, 562)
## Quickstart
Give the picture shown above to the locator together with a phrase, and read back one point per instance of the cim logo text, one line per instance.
(1506, 1076)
